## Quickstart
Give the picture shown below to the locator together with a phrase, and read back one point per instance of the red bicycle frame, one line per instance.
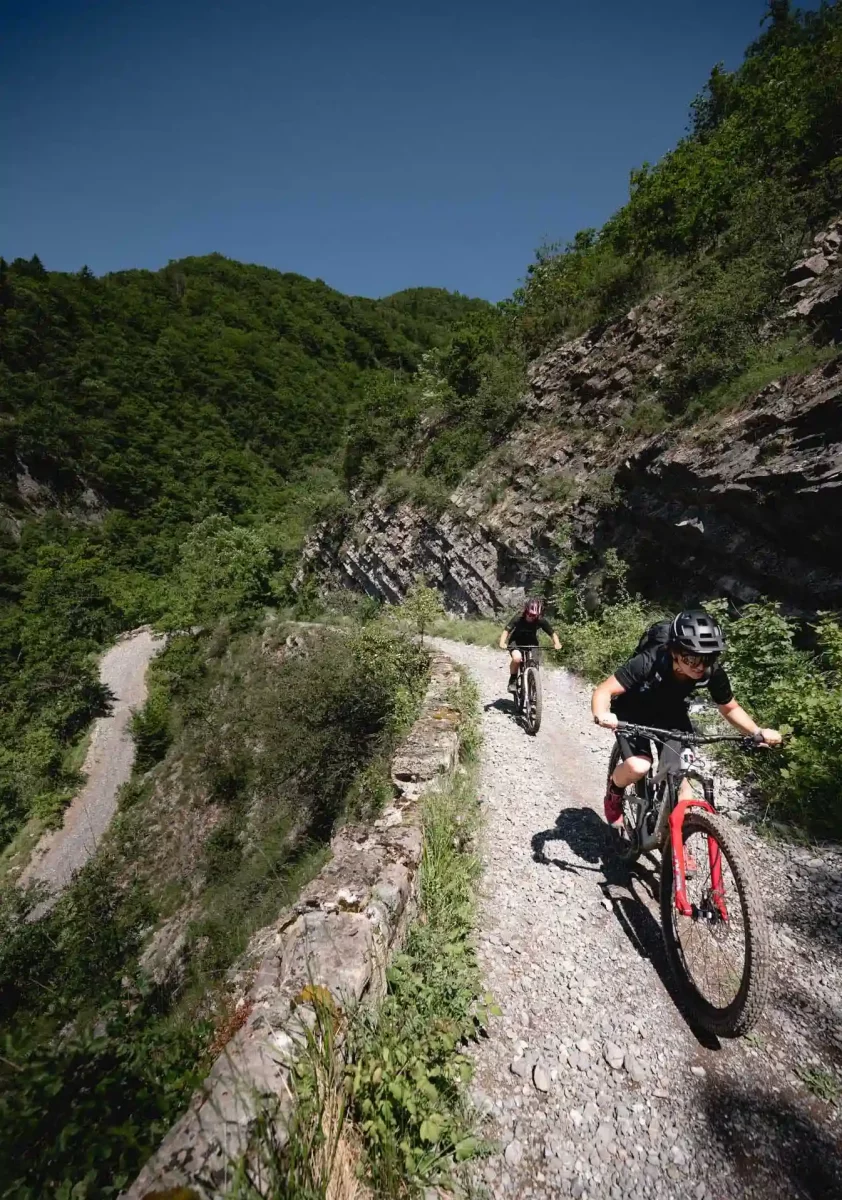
(678, 867)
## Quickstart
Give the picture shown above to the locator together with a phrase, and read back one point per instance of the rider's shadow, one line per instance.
(629, 887)
(583, 832)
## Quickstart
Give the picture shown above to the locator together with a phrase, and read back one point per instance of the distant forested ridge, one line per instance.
(134, 407)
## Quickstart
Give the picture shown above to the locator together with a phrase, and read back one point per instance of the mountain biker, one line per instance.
(522, 630)
(654, 687)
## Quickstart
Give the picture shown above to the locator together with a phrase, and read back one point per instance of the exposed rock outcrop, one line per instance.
(334, 942)
(742, 503)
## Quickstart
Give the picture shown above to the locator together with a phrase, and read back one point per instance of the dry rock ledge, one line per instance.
(338, 935)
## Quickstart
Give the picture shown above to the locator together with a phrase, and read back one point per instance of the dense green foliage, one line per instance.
(260, 745)
(94, 1066)
(462, 401)
(719, 219)
(140, 405)
(800, 690)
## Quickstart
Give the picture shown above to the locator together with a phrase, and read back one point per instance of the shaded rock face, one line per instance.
(757, 511)
(815, 284)
(742, 504)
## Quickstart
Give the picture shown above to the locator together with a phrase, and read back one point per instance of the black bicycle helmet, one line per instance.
(533, 610)
(696, 632)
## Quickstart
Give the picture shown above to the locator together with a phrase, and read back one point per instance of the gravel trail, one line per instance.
(591, 1083)
(108, 765)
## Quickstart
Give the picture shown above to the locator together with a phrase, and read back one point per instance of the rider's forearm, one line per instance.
(737, 716)
(601, 701)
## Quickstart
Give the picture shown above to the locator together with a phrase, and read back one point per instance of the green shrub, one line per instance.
(421, 608)
(789, 687)
(775, 361)
(423, 490)
(596, 646)
(150, 729)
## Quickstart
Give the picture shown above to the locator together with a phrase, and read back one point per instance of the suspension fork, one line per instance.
(679, 873)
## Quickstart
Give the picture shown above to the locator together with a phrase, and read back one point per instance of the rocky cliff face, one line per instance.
(744, 504)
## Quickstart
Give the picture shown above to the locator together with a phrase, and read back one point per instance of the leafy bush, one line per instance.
(424, 491)
(223, 569)
(82, 1114)
(788, 686)
(421, 608)
(595, 646)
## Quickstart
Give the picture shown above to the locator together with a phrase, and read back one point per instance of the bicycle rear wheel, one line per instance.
(720, 954)
(532, 700)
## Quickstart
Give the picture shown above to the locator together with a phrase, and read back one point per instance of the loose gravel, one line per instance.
(108, 765)
(592, 1083)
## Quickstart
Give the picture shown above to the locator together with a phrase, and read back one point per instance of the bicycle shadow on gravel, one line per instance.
(508, 708)
(771, 1138)
(629, 887)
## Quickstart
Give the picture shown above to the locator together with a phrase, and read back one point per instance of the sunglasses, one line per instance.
(699, 660)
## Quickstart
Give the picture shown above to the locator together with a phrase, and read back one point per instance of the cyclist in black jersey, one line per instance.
(522, 630)
(654, 687)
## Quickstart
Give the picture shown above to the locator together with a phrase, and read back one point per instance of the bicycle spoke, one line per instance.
(713, 949)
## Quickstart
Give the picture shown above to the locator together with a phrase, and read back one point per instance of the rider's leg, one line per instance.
(514, 664)
(626, 773)
(630, 770)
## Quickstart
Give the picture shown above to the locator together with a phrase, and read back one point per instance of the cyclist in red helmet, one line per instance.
(522, 630)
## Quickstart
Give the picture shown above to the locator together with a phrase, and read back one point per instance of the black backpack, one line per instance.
(656, 635)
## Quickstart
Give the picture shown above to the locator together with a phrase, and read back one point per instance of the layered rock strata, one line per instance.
(742, 503)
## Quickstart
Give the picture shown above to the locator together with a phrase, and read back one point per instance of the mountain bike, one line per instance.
(528, 688)
(712, 916)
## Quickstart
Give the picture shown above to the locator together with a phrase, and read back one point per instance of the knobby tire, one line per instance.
(738, 1017)
(532, 699)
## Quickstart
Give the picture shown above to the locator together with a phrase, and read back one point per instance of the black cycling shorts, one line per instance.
(633, 745)
(638, 744)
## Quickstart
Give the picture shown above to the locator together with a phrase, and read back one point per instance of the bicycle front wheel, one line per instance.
(532, 700)
(720, 954)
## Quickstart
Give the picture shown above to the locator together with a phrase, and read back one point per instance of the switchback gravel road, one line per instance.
(108, 765)
(592, 1083)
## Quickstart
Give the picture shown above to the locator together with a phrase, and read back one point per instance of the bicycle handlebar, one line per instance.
(749, 741)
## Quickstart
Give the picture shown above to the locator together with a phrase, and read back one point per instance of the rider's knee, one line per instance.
(636, 766)
(517, 658)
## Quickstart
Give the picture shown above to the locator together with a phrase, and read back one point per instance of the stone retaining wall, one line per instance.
(339, 935)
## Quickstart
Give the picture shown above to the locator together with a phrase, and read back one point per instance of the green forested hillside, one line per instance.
(140, 404)
(719, 220)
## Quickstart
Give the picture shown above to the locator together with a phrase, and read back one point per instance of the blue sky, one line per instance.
(376, 146)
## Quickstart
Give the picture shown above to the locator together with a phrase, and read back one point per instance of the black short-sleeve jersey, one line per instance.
(654, 695)
(525, 633)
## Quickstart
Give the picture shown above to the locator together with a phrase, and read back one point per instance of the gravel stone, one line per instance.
(541, 1078)
(514, 1153)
